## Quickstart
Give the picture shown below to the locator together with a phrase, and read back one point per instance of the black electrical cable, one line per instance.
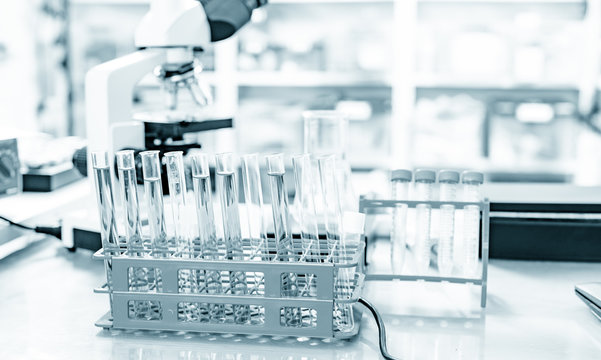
(48, 230)
(17, 224)
(381, 329)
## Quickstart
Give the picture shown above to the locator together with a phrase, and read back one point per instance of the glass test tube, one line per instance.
(424, 180)
(209, 247)
(472, 182)
(305, 194)
(283, 235)
(153, 188)
(353, 224)
(188, 280)
(398, 234)
(253, 198)
(106, 205)
(106, 210)
(176, 177)
(343, 313)
(138, 276)
(129, 196)
(448, 181)
(227, 188)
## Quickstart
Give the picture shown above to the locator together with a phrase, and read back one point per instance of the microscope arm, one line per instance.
(109, 89)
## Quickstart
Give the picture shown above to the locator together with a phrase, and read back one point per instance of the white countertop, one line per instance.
(48, 310)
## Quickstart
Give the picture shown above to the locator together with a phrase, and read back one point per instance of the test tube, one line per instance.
(209, 247)
(138, 276)
(343, 313)
(106, 210)
(398, 234)
(153, 188)
(253, 198)
(424, 180)
(448, 181)
(227, 187)
(472, 182)
(129, 196)
(187, 278)
(283, 236)
(176, 178)
(106, 205)
(331, 202)
(305, 194)
(353, 224)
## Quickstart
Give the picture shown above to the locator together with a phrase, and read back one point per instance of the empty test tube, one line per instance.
(283, 235)
(448, 181)
(424, 181)
(227, 187)
(353, 224)
(176, 177)
(188, 280)
(253, 199)
(106, 209)
(129, 196)
(106, 205)
(151, 170)
(343, 313)
(398, 235)
(472, 182)
(139, 278)
(209, 247)
(305, 194)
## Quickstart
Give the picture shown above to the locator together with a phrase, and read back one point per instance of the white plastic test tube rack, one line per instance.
(267, 307)
(365, 205)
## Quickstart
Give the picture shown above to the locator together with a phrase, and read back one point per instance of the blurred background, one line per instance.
(505, 86)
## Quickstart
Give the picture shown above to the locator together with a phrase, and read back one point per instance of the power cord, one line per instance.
(381, 329)
(48, 230)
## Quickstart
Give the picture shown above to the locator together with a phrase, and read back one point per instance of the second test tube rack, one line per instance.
(367, 205)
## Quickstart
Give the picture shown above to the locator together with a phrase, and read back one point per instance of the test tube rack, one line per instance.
(266, 306)
(365, 205)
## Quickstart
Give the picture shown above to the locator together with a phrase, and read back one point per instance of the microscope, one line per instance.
(169, 39)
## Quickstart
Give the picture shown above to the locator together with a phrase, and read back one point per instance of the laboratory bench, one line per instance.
(48, 310)
(48, 307)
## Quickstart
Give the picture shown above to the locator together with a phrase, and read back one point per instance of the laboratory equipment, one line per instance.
(106, 209)
(326, 133)
(176, 178)
(10, 167)
(304, 181)
(170, 36)
(138, 276)
(208, 241)
(424, 181)
(353, 226)
(188, 279)
(253, 199)
(370, 206)
(129, 200)
(106, 205)
(283, 233)
(401, 179)
(333, 225)
(448, 181)
(319, 306)
(227, 187)
(468, 259)
(162, 245)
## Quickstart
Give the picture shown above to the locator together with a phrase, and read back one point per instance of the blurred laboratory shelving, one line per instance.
(405, 59)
